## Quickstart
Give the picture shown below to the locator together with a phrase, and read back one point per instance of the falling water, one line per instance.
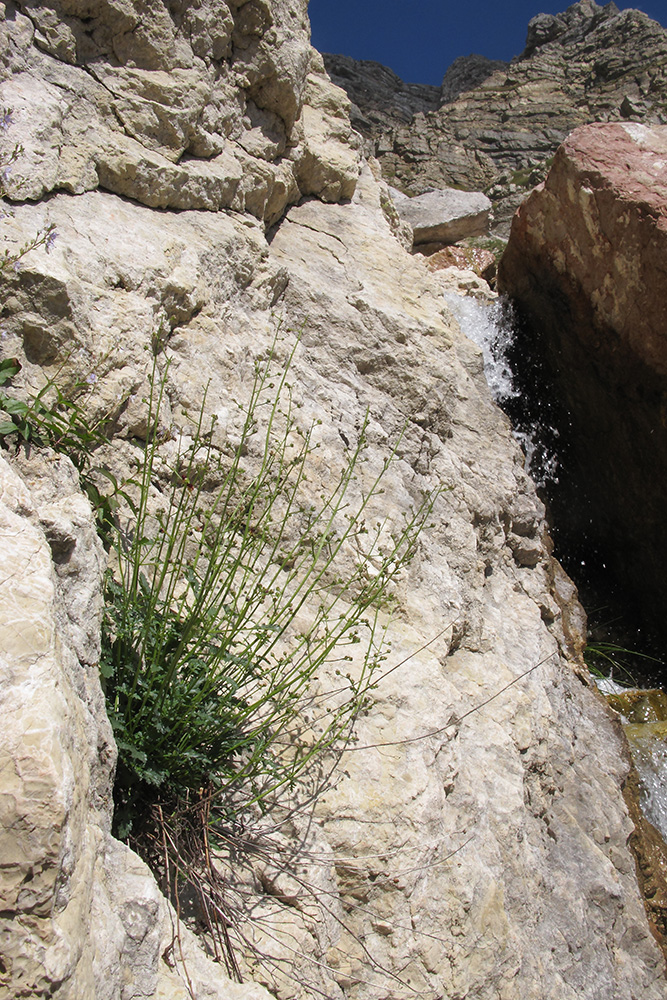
(641, 712)
(492, 326)
(489, 325)
(649, 754)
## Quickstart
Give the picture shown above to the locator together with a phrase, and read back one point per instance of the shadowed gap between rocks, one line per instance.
(568, 426)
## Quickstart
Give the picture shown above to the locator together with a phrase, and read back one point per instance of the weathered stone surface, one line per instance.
(82, 916)
(586, 263)
(466, 73)
(57, 749)
(326, 161)
(482, 262)
(474, 839)
(178, 106)
(432, 772)
(379, 97)
(534, 777)
(591, 63)
(445, 216)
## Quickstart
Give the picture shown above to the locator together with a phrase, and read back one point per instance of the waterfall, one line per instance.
(491, 325)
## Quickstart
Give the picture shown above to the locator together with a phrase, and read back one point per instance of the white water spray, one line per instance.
(490, 325)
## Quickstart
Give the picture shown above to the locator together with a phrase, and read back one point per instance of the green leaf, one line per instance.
(106, 669)
(8, 369)
(15, 406)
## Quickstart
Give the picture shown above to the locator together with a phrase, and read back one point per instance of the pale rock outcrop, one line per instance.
(525, 789)
(175, 106)
(57, 749)
(443, 217)
(474, 841)
(586, 263)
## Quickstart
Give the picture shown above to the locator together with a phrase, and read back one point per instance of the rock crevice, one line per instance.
(587, 253)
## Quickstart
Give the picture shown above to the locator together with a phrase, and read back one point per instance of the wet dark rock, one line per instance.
(586, 264)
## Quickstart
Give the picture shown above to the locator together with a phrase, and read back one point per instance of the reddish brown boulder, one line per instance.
(482, 262)
(587, 266)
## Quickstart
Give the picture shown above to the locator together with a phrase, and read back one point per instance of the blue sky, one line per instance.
(419, 39)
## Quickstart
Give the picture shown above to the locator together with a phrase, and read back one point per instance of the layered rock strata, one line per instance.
(498, 124)
(475, 839)
(379, 97)
(175, 106)
(586, 263)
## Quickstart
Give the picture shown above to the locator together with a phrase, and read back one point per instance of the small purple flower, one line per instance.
(6, 172)
(17, 266)
(91, 379)
(6, 120)
(51, 238)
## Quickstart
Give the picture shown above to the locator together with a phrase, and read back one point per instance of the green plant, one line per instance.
(56, 419)
(607, 659)
(494, 244)
(49, 417)
(223, 606)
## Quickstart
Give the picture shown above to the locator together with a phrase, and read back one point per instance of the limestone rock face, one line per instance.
(57, 750)
(466, 73)
(174, 105)
(524, 788)
(473, 840)
(586, 262)
(591, 63)
(379, 97)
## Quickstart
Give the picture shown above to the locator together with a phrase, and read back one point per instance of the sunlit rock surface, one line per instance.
(176, 106)
(443, 217)
(498, 123)
(82, 916)
(475, 839)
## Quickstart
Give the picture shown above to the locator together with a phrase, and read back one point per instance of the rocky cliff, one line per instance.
(475, 840)
(497, 123)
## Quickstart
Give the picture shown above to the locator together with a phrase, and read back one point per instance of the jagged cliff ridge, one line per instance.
(478, 846)
(493, 121)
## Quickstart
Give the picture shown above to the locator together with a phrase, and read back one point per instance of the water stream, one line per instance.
(536, 422)
(491, 325)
